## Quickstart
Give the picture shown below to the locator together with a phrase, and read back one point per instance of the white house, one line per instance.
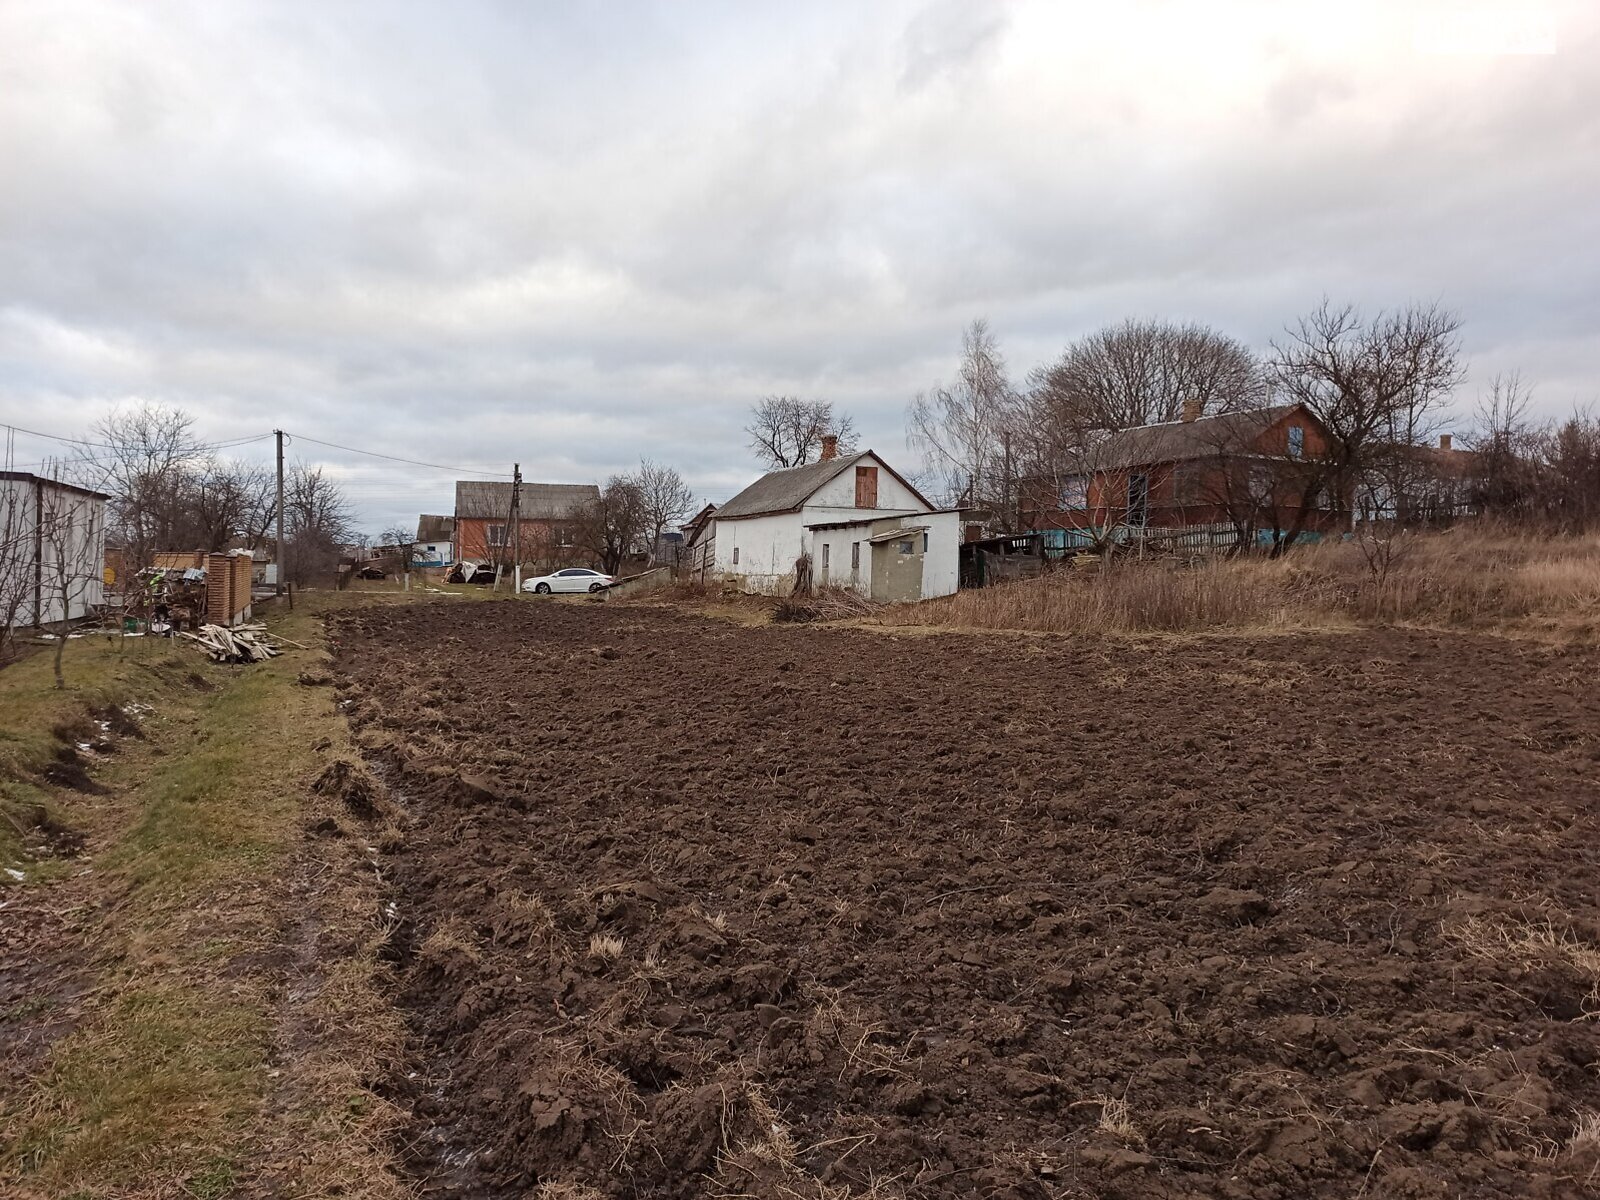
(434, 546)
(862, 524)
(52, 550)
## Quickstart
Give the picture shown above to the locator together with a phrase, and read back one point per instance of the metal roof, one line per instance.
(786, 490)
(30, 477)
(482, 500)
(1181, 441)
(896, 534)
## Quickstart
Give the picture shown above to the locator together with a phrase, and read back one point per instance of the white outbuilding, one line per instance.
(862, 524)
(52, 550)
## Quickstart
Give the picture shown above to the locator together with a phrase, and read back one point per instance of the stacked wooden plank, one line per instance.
(242, 644)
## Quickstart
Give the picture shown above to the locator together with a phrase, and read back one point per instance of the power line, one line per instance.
(51, 437)
(410, 462)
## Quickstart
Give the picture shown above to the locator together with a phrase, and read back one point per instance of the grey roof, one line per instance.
(433, 528)
(786, 490)
(479, 500)
(1180, 441)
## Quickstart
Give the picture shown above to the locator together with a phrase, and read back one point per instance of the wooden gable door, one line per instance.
(866, 487)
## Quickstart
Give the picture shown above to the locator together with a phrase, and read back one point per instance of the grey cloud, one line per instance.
(576, 236)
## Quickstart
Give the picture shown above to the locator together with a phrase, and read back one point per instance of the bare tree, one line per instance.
(612, 526)
(966, 431)
(1376, 384)
(223, 500)
(786, 431)
(1144, 372)
(316, 521)
(664, 498)
(1504, 449)
(145, 463)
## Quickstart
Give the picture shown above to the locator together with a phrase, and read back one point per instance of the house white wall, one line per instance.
(839, 572)
(39, 562)
(836, 499)
(767, 548)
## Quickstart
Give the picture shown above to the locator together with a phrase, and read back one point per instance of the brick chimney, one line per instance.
(1444, 441)
(1192, 409)
(830, 446)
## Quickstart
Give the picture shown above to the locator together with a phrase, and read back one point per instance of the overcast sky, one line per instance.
(574, 234)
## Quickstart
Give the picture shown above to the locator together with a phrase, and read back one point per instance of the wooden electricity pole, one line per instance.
(277, 550)
(516, 532)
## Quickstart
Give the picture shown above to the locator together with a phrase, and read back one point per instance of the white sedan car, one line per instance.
(573, 579)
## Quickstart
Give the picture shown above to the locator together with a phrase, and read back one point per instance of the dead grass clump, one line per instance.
(605, 947)
(1117, 1120)
(351, 782)
(520, 917)
(450, 949)
(1531, 944)
(561, 1190)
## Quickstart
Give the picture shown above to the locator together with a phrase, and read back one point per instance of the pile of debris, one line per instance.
(247, 643)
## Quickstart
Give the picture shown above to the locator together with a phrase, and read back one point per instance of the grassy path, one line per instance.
(199, 1008)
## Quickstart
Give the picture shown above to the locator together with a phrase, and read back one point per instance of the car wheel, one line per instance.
(543, 589)
(597, 587)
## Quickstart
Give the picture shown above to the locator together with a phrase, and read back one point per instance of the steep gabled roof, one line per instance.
(1184, 441)
(786, 490)
(479, 500)
(432, 528)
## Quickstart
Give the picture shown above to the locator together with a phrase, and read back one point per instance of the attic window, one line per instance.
(866, 487)
(1297, 441)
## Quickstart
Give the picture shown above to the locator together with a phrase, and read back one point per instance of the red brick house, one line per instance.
(548, 518)
(1259, 474)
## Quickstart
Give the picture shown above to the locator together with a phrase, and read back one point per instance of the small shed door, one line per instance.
(866, 487)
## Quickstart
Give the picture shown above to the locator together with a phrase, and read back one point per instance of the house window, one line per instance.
(563, 536)
(924, 541)
(497, 535)
(866, 487)
(906, 547)
(1138, 499)
(825, 549)
(1074, 492)
(855, 556)
(1297, 441)
(1186, 485)
(736, 556)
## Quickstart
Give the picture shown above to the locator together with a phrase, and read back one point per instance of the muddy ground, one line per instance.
(690, 909)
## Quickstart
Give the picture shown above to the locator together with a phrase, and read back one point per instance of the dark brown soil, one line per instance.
(692, 909)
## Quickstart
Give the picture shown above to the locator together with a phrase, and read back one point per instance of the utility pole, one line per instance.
(516, 532)
(277, 549)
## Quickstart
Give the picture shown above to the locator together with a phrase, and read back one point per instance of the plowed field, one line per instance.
(690, 909)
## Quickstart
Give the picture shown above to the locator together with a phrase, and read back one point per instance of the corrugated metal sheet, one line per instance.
(483, 500)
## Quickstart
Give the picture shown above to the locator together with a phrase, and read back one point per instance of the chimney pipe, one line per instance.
(830, 446)
(1191, 410)
(1444, 441)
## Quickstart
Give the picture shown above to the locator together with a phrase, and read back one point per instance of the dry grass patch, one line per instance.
(1480, 577)
(1531, 943)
